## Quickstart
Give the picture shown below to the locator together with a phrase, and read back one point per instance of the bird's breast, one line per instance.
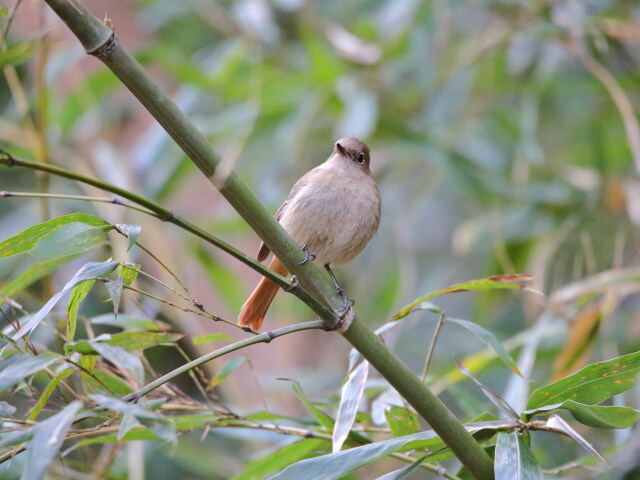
(335, 215)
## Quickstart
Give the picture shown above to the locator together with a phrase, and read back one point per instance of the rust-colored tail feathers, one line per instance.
(255, 308)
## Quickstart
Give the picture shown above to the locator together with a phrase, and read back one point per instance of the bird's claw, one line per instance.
(348, 303)
(308, 256)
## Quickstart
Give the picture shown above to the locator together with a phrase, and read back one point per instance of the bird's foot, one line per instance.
(348, 302)
(308, 256)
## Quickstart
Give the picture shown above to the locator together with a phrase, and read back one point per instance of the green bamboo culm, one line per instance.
(99, 40)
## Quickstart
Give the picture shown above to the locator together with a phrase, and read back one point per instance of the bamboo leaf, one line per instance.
(129, 272)
(47, 392)
(70, 240)
(158, 424)
(323, 419)
(558, 423)
(278, 460)
(132, 232)
(591, 415)
(402, 473)
(30, 275)
(115, 292)
(18, 367)
(499, 282)
(17, 53)
(350, 399)
(120, 357)
(226, 370)
(48, 437)
(29, 238)
(336, 465)
(491, 341)
(213, 337)
(78, 294)
(592, 384)
(89, 271)
(496, 399)
(402, 421)
(514, 460)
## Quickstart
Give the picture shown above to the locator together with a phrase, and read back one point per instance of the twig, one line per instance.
(432, 347)
(264, 337)
(83, 198)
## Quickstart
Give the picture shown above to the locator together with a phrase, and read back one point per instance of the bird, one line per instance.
(332, 212)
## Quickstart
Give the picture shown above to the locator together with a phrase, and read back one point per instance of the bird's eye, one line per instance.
(360, 159)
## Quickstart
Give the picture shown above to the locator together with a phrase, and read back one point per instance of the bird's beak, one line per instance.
(340, 148)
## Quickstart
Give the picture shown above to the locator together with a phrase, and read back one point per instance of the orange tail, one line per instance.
(255, 308)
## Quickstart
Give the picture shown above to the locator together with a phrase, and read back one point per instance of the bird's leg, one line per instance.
(307, 254)
(348, 302)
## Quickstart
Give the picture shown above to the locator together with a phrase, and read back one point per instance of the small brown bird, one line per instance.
(332, 212)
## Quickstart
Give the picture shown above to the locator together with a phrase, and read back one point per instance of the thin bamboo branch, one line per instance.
(432, 347)
(264, 337)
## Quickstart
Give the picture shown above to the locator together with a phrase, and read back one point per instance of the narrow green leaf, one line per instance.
(514, 459)
(591, 415)
(138, 433)
(592, 384)
(161, 426)
(8, 439)
(129, 274)
(78, 294)
(69, 240)
(130, 321)
(336, 465)
(558, 423)
(350, 399)
(6, 409)
(189, 422)
(18, 367)
(104, 382)
(48, 437)
(120, 357)
(278, 460)
(30, 275)
(501, 282)
(17, 53)
(129, 341)
(402, 421)
(491, 342)
(142, 340)
(323, 419)
(214, 337)
(29, 238)
(89, 271)
(226, 370)
(115, 292)
(403, 473)
(496, 399)
(132, 232)
(48, 391)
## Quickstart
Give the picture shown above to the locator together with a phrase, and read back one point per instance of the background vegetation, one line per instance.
(504, 140)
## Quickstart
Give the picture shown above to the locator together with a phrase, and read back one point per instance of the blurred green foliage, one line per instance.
(504, 138)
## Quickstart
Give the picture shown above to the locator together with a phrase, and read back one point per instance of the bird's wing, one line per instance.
(263, 252)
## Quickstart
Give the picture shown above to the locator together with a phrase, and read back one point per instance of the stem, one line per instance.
(169, 216)
(432, 347)
(83, 198)
(100, 40)
(448, 428)
(264, 337)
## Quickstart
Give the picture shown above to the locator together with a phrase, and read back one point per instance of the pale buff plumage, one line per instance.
(334, 209)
